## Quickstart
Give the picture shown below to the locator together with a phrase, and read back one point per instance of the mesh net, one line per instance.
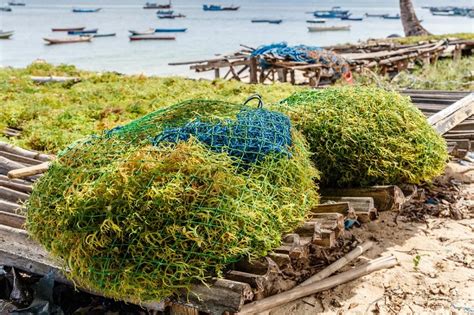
(145, 210)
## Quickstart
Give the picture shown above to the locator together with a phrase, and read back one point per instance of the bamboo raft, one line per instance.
(383, 56)
(304, 254)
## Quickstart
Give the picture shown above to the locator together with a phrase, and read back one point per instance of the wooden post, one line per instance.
(292, 77)
(253, 70)
(217, 74)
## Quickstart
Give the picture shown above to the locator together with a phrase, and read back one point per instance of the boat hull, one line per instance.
(329, 28)
(82, 39)
(150, 37)
(267, 21)
(6, 35)
(170, 30)
(68, 29)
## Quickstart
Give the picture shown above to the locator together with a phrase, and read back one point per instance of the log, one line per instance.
(20, 159)
(19, 151)
(10, 207)
(177, 309)
(386, 198)
(12, 220)
(343, 208)
(16, 186)
(218, 297)
(12, 195)
(6, 165)
(335, 266)
(29, 171)
(328, 283)
(451, 116)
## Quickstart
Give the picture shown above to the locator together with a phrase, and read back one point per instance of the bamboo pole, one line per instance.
(328, 283)
(335, 266)
(19, 151)
(29, 171)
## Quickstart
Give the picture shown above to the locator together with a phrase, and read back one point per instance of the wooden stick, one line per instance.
(8, 206)
(16, 186)
(29, 171)
(335, 266)
(12, 195)
(328, 283)
(12, 220)
(26, 153)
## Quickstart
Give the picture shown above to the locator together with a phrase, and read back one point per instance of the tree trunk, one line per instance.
(411, 24)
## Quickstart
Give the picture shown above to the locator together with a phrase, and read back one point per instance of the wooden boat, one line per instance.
(151, 5)
(150, 37)
(334, 13)
(315, 21)
(171, 16)
(76, 10)
(68, 29)
(83, 32)
(16, 4)
(350, 18)
(6, 34)
(376, 15)
(170, 30)
(329, 28)
(392, 17)
(267, 21)
(213, 7)
(5, 9)
(147, 32)
(104, 35)
(162, 12)
(68, 40)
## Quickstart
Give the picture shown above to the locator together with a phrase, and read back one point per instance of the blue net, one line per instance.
(254, 134)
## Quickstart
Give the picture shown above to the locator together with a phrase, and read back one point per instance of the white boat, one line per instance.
(329, 28)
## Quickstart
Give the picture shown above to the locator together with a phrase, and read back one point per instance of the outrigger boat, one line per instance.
(6, 34)
(16, 4)
(68, 29)
(267, 21)
(147, 32)
(83, 32)
(167, 12)
(213, 7)
(329, 28)
(392, 17)
(104, 35)
(68, 40)
(376, 15)
(171, 16)
(316, 21)
(150, 5)
(75, 10)
(170, 30)
(150, 37)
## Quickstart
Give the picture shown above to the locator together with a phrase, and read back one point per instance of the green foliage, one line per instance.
(54, 115)
(144, 222)
(363, 136)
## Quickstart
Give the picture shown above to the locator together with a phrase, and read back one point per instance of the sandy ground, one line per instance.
(435, 274)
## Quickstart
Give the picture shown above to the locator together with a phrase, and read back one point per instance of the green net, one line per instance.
(362, 136)
(146, 209)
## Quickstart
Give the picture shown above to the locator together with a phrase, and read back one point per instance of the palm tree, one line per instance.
(411, 24)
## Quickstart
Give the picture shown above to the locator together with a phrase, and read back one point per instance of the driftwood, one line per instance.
(385, 197)
(343, 208)
(16, 186)
(7, 206)
(448, 118)
(328, 283)
(12, 195)
(12, 220)
(26, 153)
(29, 171)
(364, 208)
(7, 165)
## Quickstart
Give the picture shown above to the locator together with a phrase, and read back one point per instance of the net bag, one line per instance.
(362, 136)
(144, 210)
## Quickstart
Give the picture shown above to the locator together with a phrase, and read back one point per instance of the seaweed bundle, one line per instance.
(362, 136)
(147, 209)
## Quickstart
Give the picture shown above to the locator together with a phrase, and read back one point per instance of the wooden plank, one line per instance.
(12, 195)
(19, 159)
(16, 186)
(12, 220)
(8, 206)
(386, 198)
(448, 118)
(7, 165)
(26, 153)
(29, 171)
(334, 207)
